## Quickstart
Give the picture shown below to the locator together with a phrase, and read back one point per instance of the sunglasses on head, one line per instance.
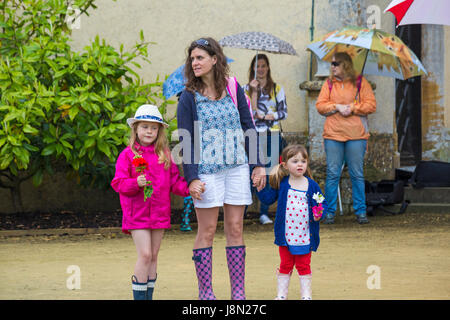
(335, 64)
(202, 42)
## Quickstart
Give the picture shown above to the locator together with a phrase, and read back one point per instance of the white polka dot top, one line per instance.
(297, 218)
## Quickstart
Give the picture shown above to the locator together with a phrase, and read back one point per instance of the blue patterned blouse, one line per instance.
(222, 138)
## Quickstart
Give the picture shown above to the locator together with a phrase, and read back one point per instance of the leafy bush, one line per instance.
(58, 106)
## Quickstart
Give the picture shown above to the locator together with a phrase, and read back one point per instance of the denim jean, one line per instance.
(352, 153)
(265, 142)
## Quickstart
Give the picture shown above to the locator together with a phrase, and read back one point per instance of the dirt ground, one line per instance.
(393, 257)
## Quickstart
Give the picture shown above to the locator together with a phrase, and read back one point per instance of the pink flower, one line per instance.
(317, 210)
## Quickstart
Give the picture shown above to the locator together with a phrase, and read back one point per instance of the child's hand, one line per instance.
(141, 181)
(317, 218)
(196, 188)
(259, 178)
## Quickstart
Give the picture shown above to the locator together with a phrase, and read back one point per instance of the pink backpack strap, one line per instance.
(358, 87)
(358, 82)
(330, 84)
(232, 90)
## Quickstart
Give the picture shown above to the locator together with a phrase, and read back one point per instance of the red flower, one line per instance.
(140, 163)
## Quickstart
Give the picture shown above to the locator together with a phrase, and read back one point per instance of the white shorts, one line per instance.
(230, 186)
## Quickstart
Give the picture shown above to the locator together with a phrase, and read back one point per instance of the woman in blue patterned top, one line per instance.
(269, 108)
(216, 160)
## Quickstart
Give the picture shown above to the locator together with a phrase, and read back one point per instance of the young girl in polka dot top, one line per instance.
(299, 210)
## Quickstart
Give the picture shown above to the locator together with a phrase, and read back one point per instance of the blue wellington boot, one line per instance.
(150, 288)
(139, 289)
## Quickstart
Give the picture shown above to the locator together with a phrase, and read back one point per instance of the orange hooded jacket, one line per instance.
(353, 127)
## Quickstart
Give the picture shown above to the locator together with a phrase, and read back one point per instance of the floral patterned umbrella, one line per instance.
(373, 52)
(258, 41)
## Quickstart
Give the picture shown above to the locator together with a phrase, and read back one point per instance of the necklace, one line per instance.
(210, 97)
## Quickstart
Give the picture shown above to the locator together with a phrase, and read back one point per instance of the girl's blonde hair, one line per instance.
(279, 171)
(161, 144)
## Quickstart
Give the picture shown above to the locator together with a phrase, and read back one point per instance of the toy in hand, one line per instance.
(141, 165)
(318, 210)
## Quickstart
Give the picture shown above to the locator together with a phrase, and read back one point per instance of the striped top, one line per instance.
(269, 105)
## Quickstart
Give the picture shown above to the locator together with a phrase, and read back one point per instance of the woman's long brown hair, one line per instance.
(221, 69)
(268, 89)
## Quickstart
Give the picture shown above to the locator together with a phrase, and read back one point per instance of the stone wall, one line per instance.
(59, 193)
(379, 164)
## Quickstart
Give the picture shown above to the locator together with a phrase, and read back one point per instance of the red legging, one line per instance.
(302, 262)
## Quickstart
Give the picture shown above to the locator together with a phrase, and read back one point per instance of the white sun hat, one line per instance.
(147, 112)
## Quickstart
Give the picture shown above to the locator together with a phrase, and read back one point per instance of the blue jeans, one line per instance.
(265, 142)
(352, 153)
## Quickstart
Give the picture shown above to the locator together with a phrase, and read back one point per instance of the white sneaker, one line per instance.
(264, 219)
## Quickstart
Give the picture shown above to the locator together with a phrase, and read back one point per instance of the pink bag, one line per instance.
(232, 90)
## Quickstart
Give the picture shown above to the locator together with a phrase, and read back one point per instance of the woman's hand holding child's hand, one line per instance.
(196, 188)
(259, 178)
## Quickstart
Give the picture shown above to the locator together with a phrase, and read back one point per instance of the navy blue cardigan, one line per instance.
(187, 115)
(268, 195)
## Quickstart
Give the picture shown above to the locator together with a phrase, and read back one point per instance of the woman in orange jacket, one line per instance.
(345, 99)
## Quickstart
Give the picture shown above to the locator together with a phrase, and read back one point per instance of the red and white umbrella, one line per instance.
(420, 11)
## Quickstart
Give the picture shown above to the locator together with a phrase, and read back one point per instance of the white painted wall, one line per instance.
(174, 24)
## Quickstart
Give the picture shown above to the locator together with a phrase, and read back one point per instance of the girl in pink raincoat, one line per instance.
(146, 216)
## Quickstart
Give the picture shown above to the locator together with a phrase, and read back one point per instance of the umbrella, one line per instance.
(174, 83)
(420, 11)
(259, 41)
(373, 52)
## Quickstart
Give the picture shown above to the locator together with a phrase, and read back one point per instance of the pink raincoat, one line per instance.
(155, 212)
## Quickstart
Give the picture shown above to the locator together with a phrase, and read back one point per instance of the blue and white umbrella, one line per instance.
(174, 84)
